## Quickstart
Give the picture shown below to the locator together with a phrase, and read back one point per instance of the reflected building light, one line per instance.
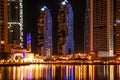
(85, 72)
(77, 71)
(80, 72)
(25, 72)
(18, 73)
(107, 70)
(91, 72)
(41, 71)
(112, 72)
(14, 73)
(53, 72)
(0, 76)
(30, 72)
(22, 72)
(119, 70)
(72, 72)
(9, 73)
(67, 72)
(49, 71)
(104, 70)
(36, 72)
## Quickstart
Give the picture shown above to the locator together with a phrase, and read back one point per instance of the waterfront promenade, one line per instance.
(91, 61)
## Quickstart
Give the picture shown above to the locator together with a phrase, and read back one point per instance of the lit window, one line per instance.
(10, 30)
(2, 42)
(117, 34)
(118, 21)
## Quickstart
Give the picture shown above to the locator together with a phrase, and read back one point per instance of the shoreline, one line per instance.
(60, 63)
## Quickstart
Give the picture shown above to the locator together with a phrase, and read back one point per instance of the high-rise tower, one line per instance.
(87, 28)
(101, 26)
(15, 22)
(65, 29)
(117, 26)
(45, 32)
(3, 26)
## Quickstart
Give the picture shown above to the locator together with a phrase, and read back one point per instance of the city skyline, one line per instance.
(59, 39)
(99, 33)
(34, 8)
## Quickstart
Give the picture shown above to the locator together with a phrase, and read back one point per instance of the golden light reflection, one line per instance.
(61, 72)
(36, 72)
(14, 72)
(91, 72)
(119, 71)
(111, 72)
(67, 74)
(53, 71)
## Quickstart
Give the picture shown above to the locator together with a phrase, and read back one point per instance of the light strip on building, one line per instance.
(21, 22)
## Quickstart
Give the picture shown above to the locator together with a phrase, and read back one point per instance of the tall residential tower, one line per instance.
(45, 32)
(117, 26)
(11, 24)
(65, 29)
(101, 26)
(3, 26)
(87, 28)
(15, 22)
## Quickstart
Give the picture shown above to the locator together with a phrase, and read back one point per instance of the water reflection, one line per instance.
(61, 72)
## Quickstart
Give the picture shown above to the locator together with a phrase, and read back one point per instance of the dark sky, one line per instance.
(31, 15)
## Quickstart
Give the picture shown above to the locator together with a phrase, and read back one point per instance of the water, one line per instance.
(61, 72)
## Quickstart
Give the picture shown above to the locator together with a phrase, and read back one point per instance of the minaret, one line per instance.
(65, 29)
(45, 32)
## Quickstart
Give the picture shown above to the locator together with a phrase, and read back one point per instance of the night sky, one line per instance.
(31, 14)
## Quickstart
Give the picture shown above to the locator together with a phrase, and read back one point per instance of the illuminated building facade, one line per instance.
(87, 28)
(29, 42)
(117, 26)
(101, 26)
(3, 26)
(11, 24)
(45, 32)
(65, 29)
(15, 22)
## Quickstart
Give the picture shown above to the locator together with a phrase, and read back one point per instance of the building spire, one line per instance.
(43, 8)
(64, 2)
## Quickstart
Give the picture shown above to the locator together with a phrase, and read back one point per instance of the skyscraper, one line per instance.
(87, 29)
(101, 26)
(45, 32)
(65, 29)
(11, 22)
(15, 22)
(117, 26)
(3, 26)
